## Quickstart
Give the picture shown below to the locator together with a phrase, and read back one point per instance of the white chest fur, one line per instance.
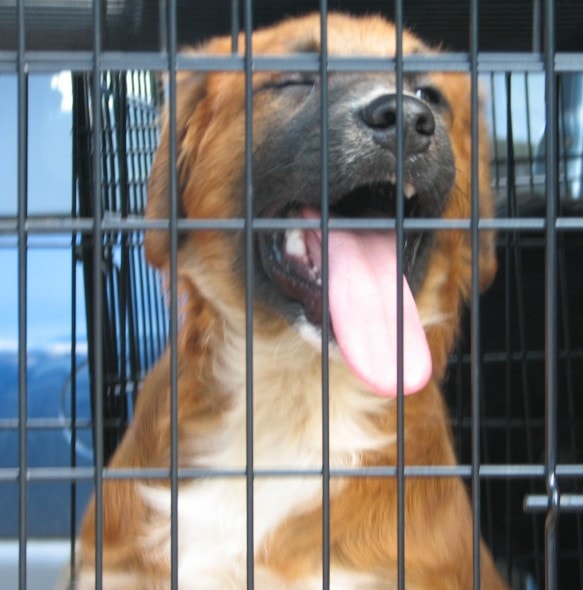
(287, 438)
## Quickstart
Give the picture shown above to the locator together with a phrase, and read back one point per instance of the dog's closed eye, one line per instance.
(288, 82)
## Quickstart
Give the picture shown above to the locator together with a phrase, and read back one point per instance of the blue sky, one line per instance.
(49, 192)
(48, 366)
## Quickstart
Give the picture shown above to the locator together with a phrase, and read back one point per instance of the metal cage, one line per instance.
(134, 318)
(513, 382)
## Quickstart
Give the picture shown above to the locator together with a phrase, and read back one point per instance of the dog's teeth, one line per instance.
(315, 275)
(295, 244)
(409, 190)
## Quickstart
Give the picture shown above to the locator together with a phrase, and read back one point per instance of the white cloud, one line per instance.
(61, 82)
(54, 348)
(7, 345)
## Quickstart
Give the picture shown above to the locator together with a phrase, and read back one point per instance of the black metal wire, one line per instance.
(22, 211)
(83, 225)
(98, 227)
(496, 159)
(551, 191)
(399, 215)
(97, 311)
(249, 293)
(234, 27)
(475, 290)
(73, 420)
(173, 213)
(324, 271)
(514, 278)
(122, 184)
(529, 135)
(151, 320)
(39, 62)
(510, 198)
(570, 390)
(536, 26)
(562, 143)
(497, 471)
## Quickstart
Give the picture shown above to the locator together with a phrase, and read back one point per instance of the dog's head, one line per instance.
(287, 183)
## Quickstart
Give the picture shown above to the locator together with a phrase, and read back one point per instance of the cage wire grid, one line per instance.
(108, 215)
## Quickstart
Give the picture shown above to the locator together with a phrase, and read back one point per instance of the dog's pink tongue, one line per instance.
(363, 310)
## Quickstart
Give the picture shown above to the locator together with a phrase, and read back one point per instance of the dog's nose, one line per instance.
(418, 123)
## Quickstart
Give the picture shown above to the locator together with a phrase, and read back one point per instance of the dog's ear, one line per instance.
(191, 89)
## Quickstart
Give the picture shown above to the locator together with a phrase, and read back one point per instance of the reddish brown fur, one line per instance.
(438, 531)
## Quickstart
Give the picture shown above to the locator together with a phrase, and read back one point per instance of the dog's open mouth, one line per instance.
(362, 286)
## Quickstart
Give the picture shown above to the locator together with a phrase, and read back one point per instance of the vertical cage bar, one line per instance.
(97, 310)
(249, 282)
(475, 352)
(120, 133)
(324, 146)
(567, 320)
(551, 187)
(22, 207)
(73, 449)
(234, 26)
(536, 26)
(515, 266)
(529, 132)
(173, 226)
(399, 215)
(509, 246)
(496, 156)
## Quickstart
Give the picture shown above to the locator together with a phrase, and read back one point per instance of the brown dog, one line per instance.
(287, 318)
